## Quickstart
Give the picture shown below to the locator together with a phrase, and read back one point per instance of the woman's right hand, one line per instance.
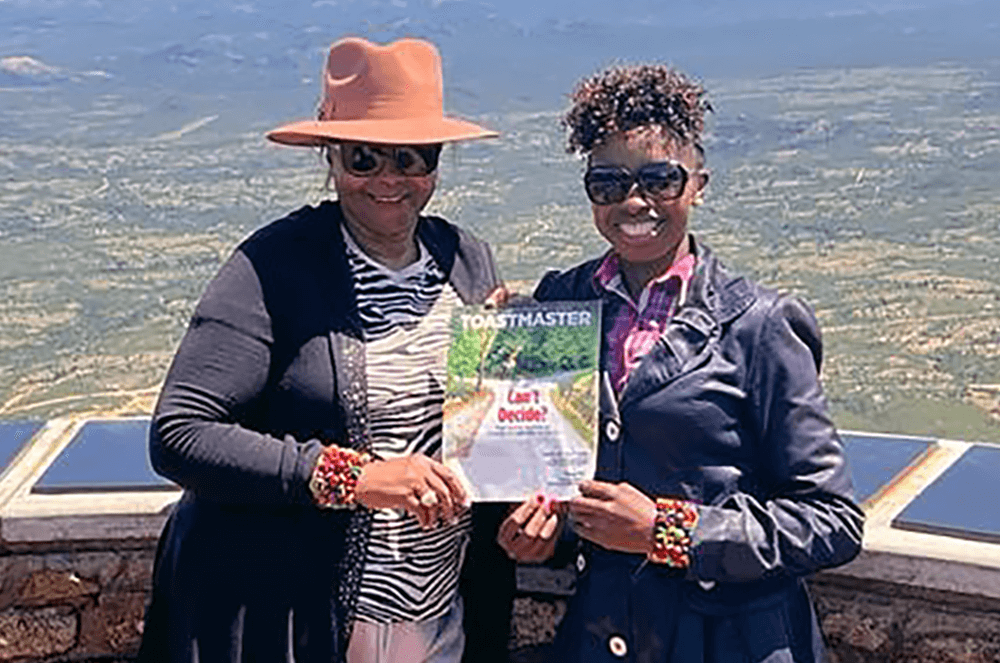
(417, 484)
(530, 532)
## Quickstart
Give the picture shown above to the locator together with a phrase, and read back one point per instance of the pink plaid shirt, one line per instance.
(637, 325)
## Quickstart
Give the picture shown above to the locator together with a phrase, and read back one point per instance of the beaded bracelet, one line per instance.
(335, 477)
(675, 520)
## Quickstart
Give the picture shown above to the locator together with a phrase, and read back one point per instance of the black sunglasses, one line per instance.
(609, 185)
(365, 160)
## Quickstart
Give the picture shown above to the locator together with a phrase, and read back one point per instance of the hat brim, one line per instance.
(393, 132)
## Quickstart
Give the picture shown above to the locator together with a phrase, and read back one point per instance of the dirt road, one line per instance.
(525, 445)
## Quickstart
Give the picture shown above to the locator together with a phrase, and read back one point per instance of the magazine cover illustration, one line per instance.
(520, 410)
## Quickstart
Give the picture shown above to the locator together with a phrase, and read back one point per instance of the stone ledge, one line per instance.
(59, 529)
(923, 575)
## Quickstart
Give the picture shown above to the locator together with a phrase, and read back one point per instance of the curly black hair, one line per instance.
(624, 97)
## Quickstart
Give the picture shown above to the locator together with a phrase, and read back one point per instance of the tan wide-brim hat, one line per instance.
(374, 93)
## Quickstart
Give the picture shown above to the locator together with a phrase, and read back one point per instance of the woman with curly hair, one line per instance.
(721, 482)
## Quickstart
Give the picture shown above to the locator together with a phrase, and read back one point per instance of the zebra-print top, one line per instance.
(409, 574)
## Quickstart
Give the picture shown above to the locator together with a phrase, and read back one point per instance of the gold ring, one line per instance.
(429, 498)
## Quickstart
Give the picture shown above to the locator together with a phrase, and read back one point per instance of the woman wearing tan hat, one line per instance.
(302, 412)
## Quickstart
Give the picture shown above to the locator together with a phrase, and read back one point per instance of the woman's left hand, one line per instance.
(616, 516)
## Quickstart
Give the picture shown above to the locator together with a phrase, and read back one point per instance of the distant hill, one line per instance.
(24, 70)
(498, 55)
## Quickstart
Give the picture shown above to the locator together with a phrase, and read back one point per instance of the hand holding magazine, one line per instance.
(520, 410)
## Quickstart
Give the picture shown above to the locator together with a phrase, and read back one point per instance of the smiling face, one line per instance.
(645, 231)
(381, 211)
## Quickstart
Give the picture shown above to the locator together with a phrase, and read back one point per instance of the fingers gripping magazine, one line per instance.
(520, 409)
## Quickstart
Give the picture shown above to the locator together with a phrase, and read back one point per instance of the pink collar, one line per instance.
(608, 276)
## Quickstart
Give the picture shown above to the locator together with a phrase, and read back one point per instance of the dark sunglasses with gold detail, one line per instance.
(660, 180)
(368, 160)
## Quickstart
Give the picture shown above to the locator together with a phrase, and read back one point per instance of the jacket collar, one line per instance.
(714, 290)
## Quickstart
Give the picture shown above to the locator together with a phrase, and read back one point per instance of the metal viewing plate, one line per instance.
(104, 456)
(962, 501)
(13, 436)
(875, 459)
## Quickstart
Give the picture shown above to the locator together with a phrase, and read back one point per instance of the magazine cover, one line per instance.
(520, 410)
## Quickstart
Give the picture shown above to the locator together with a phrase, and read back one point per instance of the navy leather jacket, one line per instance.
(726, 411)
(271, 368)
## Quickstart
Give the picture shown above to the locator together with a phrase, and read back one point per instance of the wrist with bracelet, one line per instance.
(675, 521)
(335, 478)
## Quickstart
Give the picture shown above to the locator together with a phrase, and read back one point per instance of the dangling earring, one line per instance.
(698, 200)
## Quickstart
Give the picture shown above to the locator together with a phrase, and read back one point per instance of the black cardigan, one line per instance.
(271, 368)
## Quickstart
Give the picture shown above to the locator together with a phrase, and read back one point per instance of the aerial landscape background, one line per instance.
(854, 151)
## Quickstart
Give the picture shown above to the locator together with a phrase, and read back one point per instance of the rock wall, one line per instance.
(73, 605)
(883, 622)
(87, 605)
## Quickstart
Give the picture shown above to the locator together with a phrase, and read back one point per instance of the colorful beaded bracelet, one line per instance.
(675, 520)
(335, 477)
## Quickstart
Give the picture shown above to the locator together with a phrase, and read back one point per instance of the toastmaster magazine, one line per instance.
(520, 411)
